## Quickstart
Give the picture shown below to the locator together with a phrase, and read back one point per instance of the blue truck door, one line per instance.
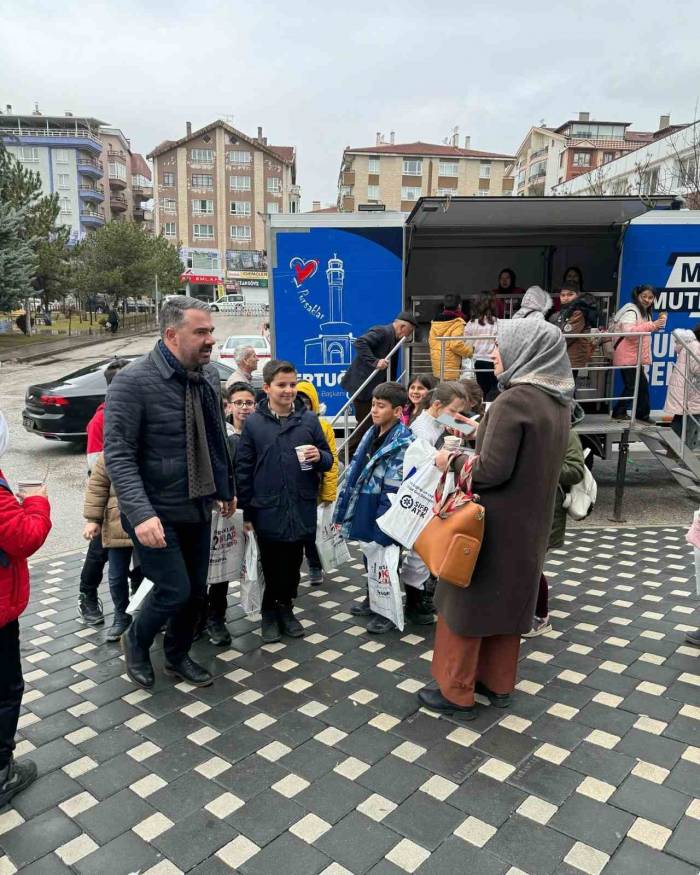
(662, 248)
(330, 283)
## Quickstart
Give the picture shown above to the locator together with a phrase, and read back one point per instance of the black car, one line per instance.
(61, 409)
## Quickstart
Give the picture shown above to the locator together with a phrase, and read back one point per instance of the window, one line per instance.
(203, 232)
(373, 165)
(373, 192)
(346, 191)
(200, 207)
(412, 167)
(28, 153)
(169, 229)
(272, 207)
(63, 180)
(446, 192)
(61, 156)
(202, 180)
(240, 208)
(483, 192)
(449, 168)
(239, 183)
(169, 205)
(485, 170)
(409, 193)
(687, 172)
(202, 156)
(203, 260)
(608, 157)
(237, 157)
(168, 179)
(539, 168)
(521, 177)
(240, 232)
(66, 205)
(117, 170)
(582, 159)
(274, 185)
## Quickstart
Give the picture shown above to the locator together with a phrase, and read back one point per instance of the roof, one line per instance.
(324, 210)
(37, 119)
(425, 149)
(639, 136)
(139, 166)
(590, 121)
(167, 145)
(287, 153)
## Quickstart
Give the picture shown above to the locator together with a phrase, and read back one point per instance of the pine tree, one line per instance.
(17, 259)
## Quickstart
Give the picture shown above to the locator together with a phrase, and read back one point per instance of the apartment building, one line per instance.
(397, 174)
(86, 162)
(666, 166)
(212, 190)
(550, 156)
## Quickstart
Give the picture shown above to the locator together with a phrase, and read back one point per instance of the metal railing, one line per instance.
(344, 410)
(597, 338)
(45, 132)
(691, 381)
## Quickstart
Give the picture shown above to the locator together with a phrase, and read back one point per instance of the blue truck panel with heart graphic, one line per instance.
(329, 285)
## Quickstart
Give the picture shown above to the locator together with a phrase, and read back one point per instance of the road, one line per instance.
(30, 456)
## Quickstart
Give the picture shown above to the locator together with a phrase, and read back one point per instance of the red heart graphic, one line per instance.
(304, 270)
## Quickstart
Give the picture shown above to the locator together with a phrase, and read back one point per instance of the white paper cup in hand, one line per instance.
(304, 463)
(452, 442)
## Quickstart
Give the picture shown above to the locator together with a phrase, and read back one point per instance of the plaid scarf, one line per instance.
(209, 468)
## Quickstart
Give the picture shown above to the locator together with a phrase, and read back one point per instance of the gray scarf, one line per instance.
(200, 474)
(536, 302)
(534, 352)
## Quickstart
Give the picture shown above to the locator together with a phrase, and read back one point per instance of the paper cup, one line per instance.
(304, 463)
(452, 442)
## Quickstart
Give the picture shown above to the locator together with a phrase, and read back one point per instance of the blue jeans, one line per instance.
(179, 574)
(118, 577)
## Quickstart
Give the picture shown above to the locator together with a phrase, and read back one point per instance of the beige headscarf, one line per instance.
(534, 352)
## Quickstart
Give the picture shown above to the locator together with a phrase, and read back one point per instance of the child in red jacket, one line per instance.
(24, 526)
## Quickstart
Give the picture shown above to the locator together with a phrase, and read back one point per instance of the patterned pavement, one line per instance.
(311, 756)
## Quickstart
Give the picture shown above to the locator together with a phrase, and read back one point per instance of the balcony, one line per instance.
(116, 182)
(142, 192)
(94, 193)
(118, 203)
(348, 177)
(90, 167)
(538, 153)
(113, 155)
(92, 218)
(76, 139)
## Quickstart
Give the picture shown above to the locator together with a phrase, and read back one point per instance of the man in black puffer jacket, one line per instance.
(167, 455)
(278, 493)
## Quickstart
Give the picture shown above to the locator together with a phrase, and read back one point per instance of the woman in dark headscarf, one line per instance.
(520, 448)
(507, 285)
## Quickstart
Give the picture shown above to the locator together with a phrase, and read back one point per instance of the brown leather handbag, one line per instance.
(450, 543)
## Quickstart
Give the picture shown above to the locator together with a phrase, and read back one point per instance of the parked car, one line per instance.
(232, 303)
(60, 409)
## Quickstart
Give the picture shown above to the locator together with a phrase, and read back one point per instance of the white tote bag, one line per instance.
(411, 509)
(383, 581)
(332, 549)
(227, 545)
(252, 581)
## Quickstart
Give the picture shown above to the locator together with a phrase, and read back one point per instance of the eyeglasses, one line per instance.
(240, 404)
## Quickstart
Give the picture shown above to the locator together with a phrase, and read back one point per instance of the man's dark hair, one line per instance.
(277, 366)
(394, 393)
(114, 367)
(451, 301)
(172, 313)
(240, 386)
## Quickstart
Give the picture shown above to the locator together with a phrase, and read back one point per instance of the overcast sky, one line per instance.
(321, 75)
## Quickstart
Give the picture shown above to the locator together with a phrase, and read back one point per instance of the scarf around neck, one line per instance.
(534, 352)
(209, 468)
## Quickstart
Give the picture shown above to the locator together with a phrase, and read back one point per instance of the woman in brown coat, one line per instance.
(520, 447)
(103, 519)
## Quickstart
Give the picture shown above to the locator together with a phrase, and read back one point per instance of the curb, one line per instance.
(54, 347)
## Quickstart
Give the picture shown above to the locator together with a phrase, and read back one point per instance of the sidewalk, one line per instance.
(311, 756)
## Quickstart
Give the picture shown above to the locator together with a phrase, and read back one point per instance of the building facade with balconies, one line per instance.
(395, 175)
(548, 157)
(212, 190)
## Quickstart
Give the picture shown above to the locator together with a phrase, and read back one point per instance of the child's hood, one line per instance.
(309, 390)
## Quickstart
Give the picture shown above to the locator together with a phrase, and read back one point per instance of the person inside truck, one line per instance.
(575, 316)
(573, 280)
(507, 285)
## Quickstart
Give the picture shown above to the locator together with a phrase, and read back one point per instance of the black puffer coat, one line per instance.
(146, 445)
(277, 497)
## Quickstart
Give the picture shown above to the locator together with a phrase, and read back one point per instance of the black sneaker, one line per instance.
(289, 625)
(419, 607)
(693, 637)
(270, 627)
(621, 416)
(90, 610)
(14, 778)
(379, 625)
(361, 609)
(315, 576)
(217, 632)
(120, 624)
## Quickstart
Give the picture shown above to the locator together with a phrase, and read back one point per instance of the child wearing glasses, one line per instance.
(239, 403)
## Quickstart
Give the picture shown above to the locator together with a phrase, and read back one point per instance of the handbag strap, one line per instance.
(463, 493)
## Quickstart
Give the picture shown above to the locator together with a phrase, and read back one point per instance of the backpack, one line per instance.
(580, 500)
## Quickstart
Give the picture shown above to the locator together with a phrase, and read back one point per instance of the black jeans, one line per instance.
(643, 403)
(281, 564)
(486, 379)
(93, 568)
(11, 689)
(217, 601)
(179, 574)
(311, 553)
